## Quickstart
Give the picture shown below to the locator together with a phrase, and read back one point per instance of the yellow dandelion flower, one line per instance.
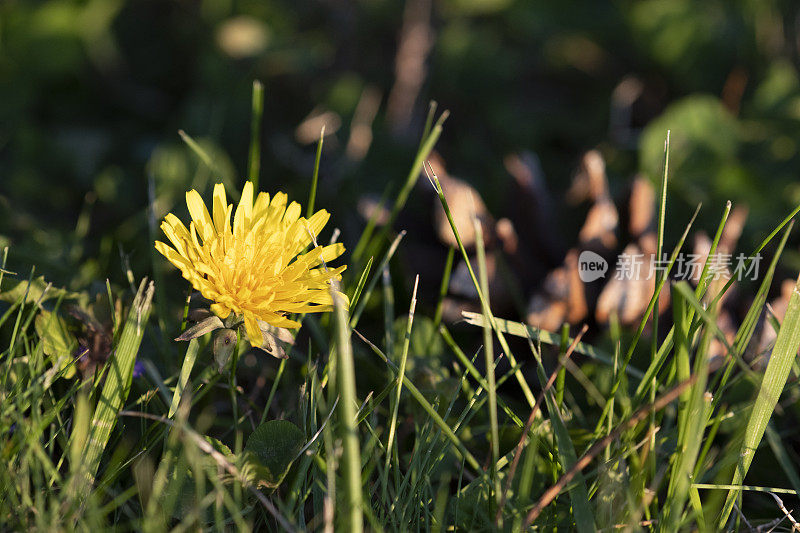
(255, 268)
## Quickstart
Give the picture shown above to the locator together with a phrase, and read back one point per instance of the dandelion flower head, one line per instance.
(258, 267)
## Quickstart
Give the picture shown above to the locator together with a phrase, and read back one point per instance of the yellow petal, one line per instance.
(279, 200)
(177, 226)
(279, 321)
(304, 231)
(253, 331)
(244, 211)
(318, 221)
(174, 257)
(261, 205)
(177, 234)
(220, 207)
(324, 254)
(302, 307)
(292, 214)
(220, 310)
(199, 214)
(276, 208)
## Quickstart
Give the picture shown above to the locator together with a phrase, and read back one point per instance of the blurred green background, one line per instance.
(93, 93)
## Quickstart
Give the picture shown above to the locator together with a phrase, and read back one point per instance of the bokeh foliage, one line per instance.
(92, 93)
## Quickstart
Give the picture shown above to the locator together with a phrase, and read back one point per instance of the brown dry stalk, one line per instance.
(520, 445)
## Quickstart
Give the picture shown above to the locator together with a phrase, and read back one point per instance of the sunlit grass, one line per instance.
(502, 439)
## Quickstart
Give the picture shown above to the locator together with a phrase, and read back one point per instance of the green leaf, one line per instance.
(270, 452)
(57, 343)
(39, 290)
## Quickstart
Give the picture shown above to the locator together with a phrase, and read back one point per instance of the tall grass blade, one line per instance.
(692, 417)
(254, 159)
(429, 140)
(782, 455)
(662, 213)
(118, 379)
(186, 370)
(401, 374)
(443, 288)
(748, 326)
(578, 493)
(428, 408)
(360, 285)
(416, 169)
(198, 150)
(372, 282)
(352, 519)
(518, 329)
(780, 363)
(526, 390)
(312, 194)
(488, 350)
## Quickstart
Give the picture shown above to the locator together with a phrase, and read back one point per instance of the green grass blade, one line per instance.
(360, 285)
(782, 455)
(80, 432)
(443, 287)
(118, 380)
(401, 375)
(388, 311)
(352, 519)
(692, 417)
(428, 122)
(683, 347)
(578, 493)
(429, 409)
(426, 146)
(753, 488)
(780, 363)
(526, 390)
(198, 150)
(3, 266)
(488, 350)
(662, 213)
(312, 194)
(518, 329)
(748, 326)
(371, 286)
(186, 370)
(254, 159)
(416, 168)
(273, 389)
